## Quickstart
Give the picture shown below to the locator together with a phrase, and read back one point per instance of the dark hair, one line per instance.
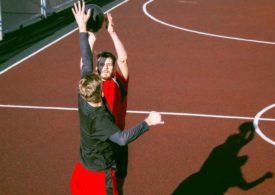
(106, 54)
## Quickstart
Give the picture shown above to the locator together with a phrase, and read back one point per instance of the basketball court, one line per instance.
(208, 67)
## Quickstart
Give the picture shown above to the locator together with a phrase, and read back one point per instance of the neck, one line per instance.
(95, 104)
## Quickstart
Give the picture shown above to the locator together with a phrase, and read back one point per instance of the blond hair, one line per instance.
(90, 88)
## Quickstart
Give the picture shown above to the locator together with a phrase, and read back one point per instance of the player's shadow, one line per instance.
(222, 169)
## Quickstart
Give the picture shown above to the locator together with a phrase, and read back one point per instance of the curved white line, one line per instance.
(256, 124)
(199, 32)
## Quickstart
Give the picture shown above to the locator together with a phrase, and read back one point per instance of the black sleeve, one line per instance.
(123, 138)
(86, 54)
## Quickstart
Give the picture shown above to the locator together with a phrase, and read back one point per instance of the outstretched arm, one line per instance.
(81, 18)
(125, 137)
(121, 52)
(246, 186)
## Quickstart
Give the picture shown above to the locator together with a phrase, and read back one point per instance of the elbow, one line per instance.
(122, 56)
(125, 57)
(122, 60)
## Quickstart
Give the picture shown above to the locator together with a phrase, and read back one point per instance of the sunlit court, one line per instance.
(206, 66)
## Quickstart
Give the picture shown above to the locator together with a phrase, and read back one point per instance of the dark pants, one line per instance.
(121, 158)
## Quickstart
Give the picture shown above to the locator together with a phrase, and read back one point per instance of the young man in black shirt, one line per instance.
(94, 174)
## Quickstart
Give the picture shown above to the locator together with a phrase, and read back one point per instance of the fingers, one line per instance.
(154, 118)
(91, 34)
(83, 6)
(109, 15)
(159, 119)
(110, 18)
(89, 13)
(78, 8)
(80, 16)
(109, 22)
(161, 122)
(75, 9)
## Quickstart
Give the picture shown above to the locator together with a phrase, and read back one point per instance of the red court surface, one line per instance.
(228, 71)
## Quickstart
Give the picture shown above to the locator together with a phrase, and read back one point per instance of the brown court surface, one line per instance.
(170, 71)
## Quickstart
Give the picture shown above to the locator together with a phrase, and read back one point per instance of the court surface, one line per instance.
(207, 66)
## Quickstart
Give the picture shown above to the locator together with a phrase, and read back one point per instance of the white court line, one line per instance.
(256, 124)
(199, 32)
(188, 2)
(139, 112)
(50, 44)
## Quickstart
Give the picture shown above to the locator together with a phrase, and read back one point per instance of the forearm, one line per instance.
(121, 52)
(127, 136)
(246, 186)
(86, 55)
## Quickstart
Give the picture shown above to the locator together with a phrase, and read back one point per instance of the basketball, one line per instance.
(97, 18)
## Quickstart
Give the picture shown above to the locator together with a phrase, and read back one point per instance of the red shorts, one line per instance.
(88, 182)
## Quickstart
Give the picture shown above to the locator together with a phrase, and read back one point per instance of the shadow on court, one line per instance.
(222, 169)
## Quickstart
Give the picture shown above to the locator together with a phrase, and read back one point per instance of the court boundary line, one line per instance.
(140, 112)
(256, 124)
(52, 43)
(200, 32)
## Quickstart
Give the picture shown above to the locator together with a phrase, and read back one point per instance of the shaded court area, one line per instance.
(181, 73)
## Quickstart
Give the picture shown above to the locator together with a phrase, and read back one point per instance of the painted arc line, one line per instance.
(256, 124)
(139, 112)
(52, 43)
(200, 32)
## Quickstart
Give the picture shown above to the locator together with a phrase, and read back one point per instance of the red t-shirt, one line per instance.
(116, 100)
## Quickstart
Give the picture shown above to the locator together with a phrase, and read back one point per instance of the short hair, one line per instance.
(90, 88)
(106, 54)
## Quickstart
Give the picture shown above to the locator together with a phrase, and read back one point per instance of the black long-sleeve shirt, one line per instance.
(97, 128)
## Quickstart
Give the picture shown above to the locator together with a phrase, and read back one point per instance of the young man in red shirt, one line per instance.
(114, 74)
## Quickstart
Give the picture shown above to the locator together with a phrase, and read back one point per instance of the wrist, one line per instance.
(147, 121)
(113, 33)
(82, 29)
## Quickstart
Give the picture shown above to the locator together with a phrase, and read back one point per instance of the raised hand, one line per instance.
(80, 16)
(110, 27)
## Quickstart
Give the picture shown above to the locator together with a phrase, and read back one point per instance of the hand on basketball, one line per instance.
(80, 16)
(91, 39)
(110, 27)
(154, 118)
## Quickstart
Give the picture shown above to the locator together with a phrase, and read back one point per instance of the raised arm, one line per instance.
(91, 40)
(81, 18)
(120, 50)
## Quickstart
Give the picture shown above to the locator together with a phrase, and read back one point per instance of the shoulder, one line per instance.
(103, 118)
(119, 77)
